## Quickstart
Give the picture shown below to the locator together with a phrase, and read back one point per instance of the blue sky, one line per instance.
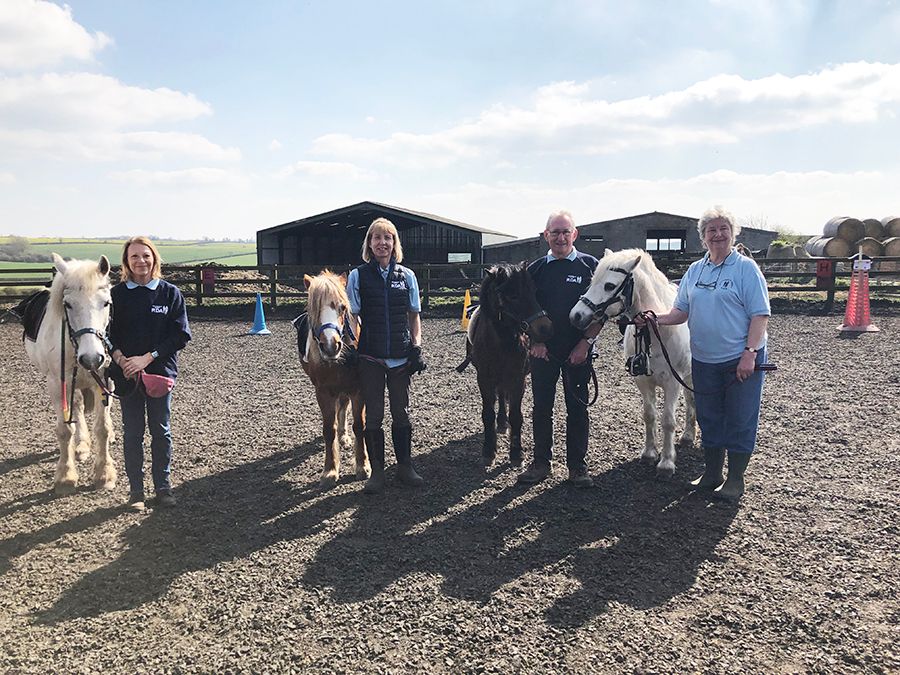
(216, 118)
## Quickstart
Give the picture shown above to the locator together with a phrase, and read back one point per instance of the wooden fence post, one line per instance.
(273, 286)
(199, 285)
(426, 287)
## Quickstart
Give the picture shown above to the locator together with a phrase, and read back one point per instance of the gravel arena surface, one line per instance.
(259, 570)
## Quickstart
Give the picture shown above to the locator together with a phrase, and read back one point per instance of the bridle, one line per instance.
(624, 293)
(68, 402)
(521, 325)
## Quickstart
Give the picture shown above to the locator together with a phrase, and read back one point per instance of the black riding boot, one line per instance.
(734, 486)
(402, 438)
(712, 473)
(375, 448)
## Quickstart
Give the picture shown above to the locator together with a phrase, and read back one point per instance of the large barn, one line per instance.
(335, 238)
(656, 232)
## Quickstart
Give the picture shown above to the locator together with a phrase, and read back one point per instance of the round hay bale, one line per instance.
(891, 246)
(848, 229)
(874, 228)
(870, 247)
(828, 247)
(891, 226)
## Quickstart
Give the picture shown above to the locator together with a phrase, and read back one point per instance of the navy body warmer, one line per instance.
(558, 286)
(384, 304)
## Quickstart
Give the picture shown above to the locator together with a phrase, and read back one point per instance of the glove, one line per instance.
(415, 362)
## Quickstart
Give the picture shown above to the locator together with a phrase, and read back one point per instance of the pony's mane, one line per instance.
(81, 275)
(323, 288)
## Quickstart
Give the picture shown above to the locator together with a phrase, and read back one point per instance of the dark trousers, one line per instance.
(158, 414)
(373, 377)
(544, 376)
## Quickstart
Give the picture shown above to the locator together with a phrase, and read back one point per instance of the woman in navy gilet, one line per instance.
(384, 303)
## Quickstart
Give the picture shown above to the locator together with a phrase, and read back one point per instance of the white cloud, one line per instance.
(799, 201)
(196, 177)
(113, 146)
(342, 170)
(37, 34)
(89, 101)
(7, 178)
(565, 119)
(274, 145)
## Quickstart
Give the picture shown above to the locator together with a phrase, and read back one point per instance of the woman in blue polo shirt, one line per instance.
(725, 301)
(149, 327)
(385, 296)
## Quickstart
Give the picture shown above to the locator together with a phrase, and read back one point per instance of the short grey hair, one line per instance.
(718, 213)
(562, 213)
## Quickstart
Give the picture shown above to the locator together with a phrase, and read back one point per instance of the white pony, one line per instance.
(624, 284)
(75, 323)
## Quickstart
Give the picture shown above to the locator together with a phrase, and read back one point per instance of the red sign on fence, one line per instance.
(208, 279)
(824, 274)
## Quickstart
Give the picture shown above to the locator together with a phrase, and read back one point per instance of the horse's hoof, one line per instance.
(65, 488)
(488, 460)
(686, 442)
(649, 458)
(665, 473)
(363, 472)
(328, 480)
(105, 484)
(502, 429)
(515, 458)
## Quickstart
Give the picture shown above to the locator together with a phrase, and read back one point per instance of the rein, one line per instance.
(564, 367)
(68, 398)
(643, 334)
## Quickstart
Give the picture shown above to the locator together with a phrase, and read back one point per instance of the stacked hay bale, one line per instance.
(843, 237)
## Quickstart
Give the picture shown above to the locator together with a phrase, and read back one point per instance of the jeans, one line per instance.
(727, 411)
(372, 378)
(158, 413)
(544, 376)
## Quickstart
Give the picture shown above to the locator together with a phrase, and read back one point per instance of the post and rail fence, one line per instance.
(440, 282)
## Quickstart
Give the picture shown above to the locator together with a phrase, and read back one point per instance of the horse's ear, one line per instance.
(59, 263)
(523, 266)
(103, 266)
(635, 263)
(606, 252)
(343, 279)
(307, 280)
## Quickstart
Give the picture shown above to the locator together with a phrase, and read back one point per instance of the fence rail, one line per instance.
(439, 281)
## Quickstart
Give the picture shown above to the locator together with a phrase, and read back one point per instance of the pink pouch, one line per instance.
(156, 386)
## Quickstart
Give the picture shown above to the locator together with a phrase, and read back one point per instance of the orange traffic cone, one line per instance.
(856, 317)
(464, 322)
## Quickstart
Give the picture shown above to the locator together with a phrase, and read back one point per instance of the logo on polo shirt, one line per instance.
(159, 309)
(726, 283)
(573, 279)
(399, 283)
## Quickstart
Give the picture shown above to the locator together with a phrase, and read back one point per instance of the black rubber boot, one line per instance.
(375, 448)
(402, 438)
(733, 488)
(712, 476)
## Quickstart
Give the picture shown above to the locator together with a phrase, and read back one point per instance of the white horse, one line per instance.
(624, 284)
(75, 323)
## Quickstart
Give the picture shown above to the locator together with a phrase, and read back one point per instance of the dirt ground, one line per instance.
(259, 570)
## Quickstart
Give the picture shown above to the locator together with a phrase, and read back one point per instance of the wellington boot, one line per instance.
(712, 476)
(733, 488)
(375, 448)
(402, 438)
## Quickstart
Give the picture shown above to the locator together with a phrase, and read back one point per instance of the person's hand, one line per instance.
(133, 365)
(539, 351)
(415, 363)
(579, 353)
(746, 366)
(641, 319)
(349, 356)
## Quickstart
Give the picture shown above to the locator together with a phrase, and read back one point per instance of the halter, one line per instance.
(68, 402)
(522, 325)
(624, 292)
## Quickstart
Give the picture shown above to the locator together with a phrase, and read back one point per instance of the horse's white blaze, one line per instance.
(329, 338)
(652, 291)
(84, 288)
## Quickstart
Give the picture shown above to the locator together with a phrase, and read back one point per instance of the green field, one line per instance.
(173, 252)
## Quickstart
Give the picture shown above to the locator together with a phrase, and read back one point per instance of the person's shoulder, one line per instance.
(587, 259)
(536, 264)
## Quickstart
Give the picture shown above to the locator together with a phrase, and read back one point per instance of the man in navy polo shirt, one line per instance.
(561, 277)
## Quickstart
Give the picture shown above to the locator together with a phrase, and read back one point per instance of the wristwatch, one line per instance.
(155, 354)
(751, 350)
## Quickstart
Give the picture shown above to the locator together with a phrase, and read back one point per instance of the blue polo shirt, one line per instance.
(720, 300)
(414, 303)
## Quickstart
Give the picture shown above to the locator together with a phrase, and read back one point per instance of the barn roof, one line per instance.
(360, 216)
(641, 216)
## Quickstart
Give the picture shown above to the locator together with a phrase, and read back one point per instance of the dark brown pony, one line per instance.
(500, 331)
(323, 357)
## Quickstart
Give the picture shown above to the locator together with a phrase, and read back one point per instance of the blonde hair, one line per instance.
(323, 288)
(718, 213)
(382, 225)
(125, 271)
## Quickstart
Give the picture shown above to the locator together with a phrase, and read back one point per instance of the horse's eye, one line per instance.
(66, 304)
(106, 303)
(609, 287)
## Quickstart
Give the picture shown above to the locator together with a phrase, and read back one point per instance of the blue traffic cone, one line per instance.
(259, 320)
